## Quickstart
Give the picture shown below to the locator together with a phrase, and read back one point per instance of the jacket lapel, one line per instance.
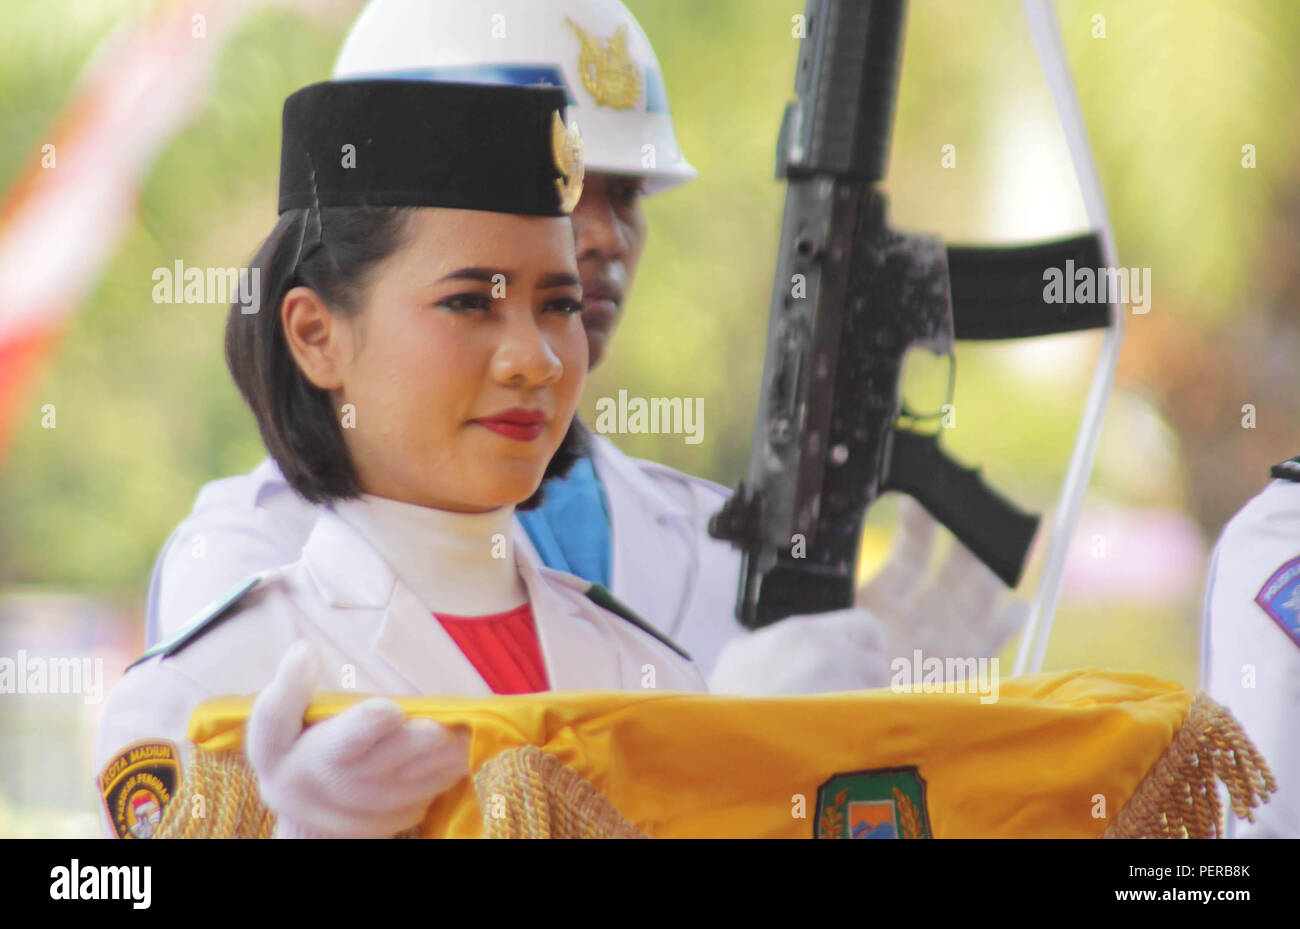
(369, 608)
(652, 539)
(577, 655)
(413, 641)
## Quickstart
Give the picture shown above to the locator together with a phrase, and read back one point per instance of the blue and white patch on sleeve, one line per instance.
(1280, 598)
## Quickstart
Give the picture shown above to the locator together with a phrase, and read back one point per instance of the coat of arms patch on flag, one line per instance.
(879, 803)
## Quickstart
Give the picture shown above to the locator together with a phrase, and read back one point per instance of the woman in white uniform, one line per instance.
(414, 365)
(1250, 640)
(638, 527)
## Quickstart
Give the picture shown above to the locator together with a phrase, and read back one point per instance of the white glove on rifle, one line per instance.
(819, 653)
(957, 615)
(368, 772)
(960, 614)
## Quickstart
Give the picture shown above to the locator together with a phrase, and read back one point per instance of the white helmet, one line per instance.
(594, 49)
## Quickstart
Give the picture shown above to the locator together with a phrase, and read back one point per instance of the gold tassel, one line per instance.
(526, 793)
(1179, 797)
(231, 807)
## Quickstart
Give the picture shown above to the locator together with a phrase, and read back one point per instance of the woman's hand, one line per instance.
(368, 772)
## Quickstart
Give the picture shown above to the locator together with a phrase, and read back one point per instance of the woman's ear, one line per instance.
(318, 340)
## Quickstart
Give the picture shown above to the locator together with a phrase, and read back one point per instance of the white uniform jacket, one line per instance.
(1251, 644)
(664, 564)
(345, 599)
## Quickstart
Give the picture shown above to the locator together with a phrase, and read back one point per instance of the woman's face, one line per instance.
(457, 381)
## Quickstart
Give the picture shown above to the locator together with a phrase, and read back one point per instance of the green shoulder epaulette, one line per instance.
(1288, 470)
(600, 595)
(204, 620)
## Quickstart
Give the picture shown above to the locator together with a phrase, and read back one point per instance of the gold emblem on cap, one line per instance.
(566, 147)
(608, 72)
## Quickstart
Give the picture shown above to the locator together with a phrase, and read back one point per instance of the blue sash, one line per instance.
(570, 530)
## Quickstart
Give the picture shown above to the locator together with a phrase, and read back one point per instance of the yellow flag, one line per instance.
(1072, 755)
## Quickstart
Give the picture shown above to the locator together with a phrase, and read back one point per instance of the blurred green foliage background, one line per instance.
(147, 412)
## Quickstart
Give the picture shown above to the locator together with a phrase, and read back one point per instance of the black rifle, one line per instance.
(851, 297)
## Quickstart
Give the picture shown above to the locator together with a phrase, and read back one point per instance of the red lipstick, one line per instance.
(515, 423)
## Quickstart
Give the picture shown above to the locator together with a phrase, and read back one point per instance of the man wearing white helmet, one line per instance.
(1251, 640)
(635, 526)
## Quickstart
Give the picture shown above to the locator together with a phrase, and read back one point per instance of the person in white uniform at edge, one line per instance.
(400, 390)
(634, 526)
(1250, 643)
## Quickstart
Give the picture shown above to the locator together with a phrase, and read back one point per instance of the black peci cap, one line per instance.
(497, 148)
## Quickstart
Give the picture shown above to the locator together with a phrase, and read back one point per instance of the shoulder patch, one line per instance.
(137, 785)
(602, 597)
(205, 620)
(1280, 598)
(1288, 470)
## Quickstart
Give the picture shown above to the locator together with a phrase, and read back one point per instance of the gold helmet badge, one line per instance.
(566, 147)
(608, 72)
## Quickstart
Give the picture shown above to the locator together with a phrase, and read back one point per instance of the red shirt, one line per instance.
(503, 647)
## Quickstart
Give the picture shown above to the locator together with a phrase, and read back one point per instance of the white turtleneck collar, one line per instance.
(461, 564)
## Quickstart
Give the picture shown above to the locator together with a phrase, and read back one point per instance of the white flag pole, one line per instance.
(1046, 34)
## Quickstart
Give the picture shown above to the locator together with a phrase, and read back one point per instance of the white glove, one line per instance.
(819, 653)
(368, 772)
(958, 615)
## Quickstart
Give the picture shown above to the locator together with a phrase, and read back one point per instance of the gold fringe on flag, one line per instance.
(1179, 797)
(523, 793)
(526, 793)
(218, 799)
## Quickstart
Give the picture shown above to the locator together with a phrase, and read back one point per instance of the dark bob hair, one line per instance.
(333, 251)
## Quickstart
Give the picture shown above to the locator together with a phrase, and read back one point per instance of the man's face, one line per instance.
(611, 231)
